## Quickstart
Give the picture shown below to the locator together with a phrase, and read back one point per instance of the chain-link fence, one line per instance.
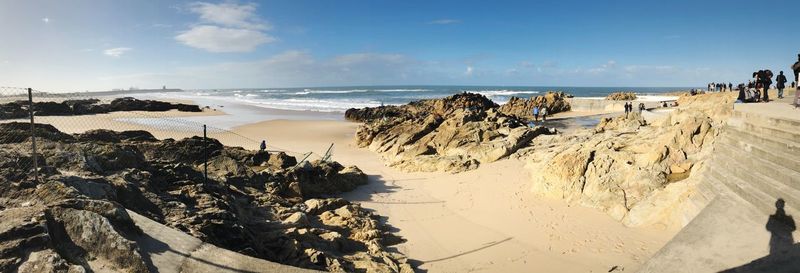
(28, 116)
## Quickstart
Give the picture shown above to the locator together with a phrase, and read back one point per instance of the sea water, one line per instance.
(339, 99)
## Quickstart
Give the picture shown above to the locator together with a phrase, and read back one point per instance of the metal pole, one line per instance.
(205, 155)
(328, 153)
(33, 137)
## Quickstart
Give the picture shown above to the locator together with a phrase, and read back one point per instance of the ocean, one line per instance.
(339, 99)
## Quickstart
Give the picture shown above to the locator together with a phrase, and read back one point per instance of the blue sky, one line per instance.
(96, 44)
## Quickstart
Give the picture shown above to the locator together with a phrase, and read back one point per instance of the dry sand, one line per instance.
(484, 220)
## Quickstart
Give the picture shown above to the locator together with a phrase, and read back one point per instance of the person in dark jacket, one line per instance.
(263, 145)
(780, 84)
(765, 79)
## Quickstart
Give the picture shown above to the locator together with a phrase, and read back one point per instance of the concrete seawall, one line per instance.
(756, 163)
(586, 104)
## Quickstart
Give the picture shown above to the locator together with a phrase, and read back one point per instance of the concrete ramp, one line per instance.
(168, 250)
(744, 228)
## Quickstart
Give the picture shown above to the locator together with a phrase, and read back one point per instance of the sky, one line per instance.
(56, 45)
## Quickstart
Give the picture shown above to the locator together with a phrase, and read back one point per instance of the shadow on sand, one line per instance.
(784, 253)
(378, 186)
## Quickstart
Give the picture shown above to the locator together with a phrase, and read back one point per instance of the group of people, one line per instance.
(719, 87)
(540, 110)
(756, 89)
(629, 108)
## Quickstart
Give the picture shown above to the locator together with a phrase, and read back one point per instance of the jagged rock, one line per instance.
(16, 132)
(631, 121)
(555, 102)
(67, 236)
(437, 107)
(94, 240)
(324, 178)
(452, 134)
(261, 158)
(625, 165)
(621, 96)
(97, 175)
(317, 206)
(297, 219)
(19, 109)
(281, 161)
(132, 104)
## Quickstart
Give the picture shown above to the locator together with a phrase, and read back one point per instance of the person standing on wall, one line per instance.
(781, 84)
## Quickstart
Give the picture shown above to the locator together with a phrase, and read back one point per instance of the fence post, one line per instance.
(33, 137)
(205, 156)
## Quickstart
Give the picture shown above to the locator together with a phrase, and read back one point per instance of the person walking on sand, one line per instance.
(641, 107)
(263, 145)
(627, 109)
(536, 113)
(544, 114)
(780, 84)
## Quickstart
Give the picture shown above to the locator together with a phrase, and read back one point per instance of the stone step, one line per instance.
(707, 190)
(766, 131)
(740, 172)
(769, 143)
(773, 156)
(743, 190)
(785, 124)
(754, 164)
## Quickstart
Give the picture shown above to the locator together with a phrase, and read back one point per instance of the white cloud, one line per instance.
(116, 52)
(444, 22)
(220, 39)
(46, 20)
(230, 15)
(604, 67)
(226, 27)
(469, 71)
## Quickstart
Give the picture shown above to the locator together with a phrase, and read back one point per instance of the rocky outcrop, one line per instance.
(19, 109)
(555, 102)
(621, 96)
(625, 165)
(452, 134)
(62, 232)
(74, 217)
(415, 109)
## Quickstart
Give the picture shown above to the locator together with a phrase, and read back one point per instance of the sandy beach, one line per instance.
(485, 220)
(478, 221)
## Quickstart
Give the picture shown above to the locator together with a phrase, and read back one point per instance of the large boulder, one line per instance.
(132, 104)
(555, 102)
(452, 134)
(16, 132)
(621, 96)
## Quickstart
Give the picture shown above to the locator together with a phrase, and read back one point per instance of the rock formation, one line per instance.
(19, 109)
(74, 219)
(555, 102)
(625, 165)
(451, 134)
(621, 96)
